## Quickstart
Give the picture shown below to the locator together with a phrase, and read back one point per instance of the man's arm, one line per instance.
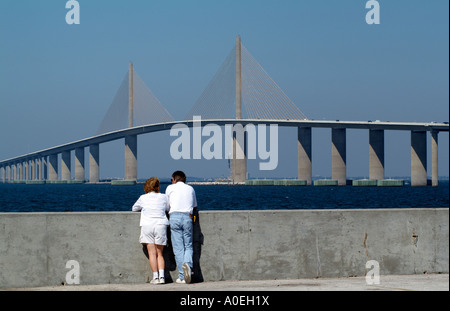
(167, 203)
(194, 199)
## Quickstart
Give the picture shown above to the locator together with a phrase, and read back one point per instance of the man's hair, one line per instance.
(179, 176)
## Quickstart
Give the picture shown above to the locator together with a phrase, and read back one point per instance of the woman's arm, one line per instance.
(137, 207)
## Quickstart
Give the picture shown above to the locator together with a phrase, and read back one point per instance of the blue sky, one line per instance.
(57, 80)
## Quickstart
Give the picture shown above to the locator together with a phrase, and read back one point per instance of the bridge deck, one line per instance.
(144, 129)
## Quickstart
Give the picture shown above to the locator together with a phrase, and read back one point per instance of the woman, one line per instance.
(153, 206)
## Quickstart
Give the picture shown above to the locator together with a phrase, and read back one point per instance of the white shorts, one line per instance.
(153, 235)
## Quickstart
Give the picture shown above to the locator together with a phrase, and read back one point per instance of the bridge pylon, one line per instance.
(131, 140)
(239, 161)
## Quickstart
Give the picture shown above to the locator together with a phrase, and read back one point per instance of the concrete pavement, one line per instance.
(418, 282)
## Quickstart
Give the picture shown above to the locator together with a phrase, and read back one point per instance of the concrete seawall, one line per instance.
(36, 248)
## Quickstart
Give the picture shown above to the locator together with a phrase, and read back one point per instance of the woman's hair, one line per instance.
(152, 184)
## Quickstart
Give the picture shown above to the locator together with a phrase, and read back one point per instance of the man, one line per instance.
(183, 202)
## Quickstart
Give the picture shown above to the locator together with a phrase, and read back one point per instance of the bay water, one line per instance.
(107, 197)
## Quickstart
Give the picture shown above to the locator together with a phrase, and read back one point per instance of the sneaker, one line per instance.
(162, 280)
(154, 281)
(187, 273)
(180, 281)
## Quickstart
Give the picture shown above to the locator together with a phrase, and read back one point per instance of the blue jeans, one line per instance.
(181, 229)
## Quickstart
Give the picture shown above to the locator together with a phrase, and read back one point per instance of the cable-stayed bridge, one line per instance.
(241, 92)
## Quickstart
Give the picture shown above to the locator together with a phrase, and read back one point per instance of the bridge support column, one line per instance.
(45, 168)
(434, 159)
(14, 171)
(33, 169)
(376, 154)
(79, 164)
(27, 170)
(304, 146)
(19, 171)
(52, 167)
(239, 160)
(2, 172)
(131, 157)
(65, 165)
(418, 158)
(339, 155)
(39, 168)
(94, 163)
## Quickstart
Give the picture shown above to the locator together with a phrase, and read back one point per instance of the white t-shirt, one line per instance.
(153, 207)
(182, 198)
